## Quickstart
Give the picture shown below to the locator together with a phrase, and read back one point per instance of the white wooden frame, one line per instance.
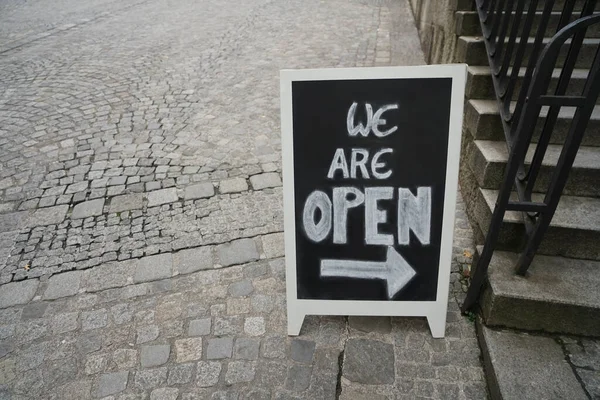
(434, 311)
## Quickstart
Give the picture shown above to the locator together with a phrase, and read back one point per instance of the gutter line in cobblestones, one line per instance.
(338, 387)
(561, 343)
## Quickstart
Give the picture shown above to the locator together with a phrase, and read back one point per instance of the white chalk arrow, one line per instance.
(395, 270)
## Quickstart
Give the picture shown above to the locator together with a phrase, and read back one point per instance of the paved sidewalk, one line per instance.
(140, 207)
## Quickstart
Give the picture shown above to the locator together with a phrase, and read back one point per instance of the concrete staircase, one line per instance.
(561, 292)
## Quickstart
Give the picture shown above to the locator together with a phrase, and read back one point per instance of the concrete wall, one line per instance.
(436, 23)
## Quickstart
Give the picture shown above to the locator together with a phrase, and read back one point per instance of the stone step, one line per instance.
(573, 232)
(480, 86)
(488, 160)
(467, 24)
(482, 120)
(471, 50)
(557, 295)
(523, 366)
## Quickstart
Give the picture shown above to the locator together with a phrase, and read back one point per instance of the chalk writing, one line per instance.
(373, 121)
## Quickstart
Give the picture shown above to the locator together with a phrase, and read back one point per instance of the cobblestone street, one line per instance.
(141, 243)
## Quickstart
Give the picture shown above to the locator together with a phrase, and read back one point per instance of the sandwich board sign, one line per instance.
(370, 168)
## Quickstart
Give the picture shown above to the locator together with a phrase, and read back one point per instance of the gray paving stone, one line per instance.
(48, 216)
(95, 363)
(219, 348)
(147, 334)
(34, 310)
(246, 348)
(273, 347)
(153, 268)
(237, 252)
(254, 326)
(154, 356)
(126, 202)
(234, 185)
(125, 358)
(266, 180)
(89, 342)
(16, 293)
(192, 260)
(87, 209)
(164, 394)
(13, 221)
(199, 191)
(63, 285)
(298, 378)
(180, 374)
(199, 327)
(76, 187)
(63, 323)
(273, 245)
(240, 289)
(302, 350)
(111, 383)
(240, 371)
(106, 276)
(163, 196)
(207, 373)
(591, 381)
(150, 378)
(353, 394)
(370, 324)
(76, 390)
(188, 349)
(94, 319)
(369, 362)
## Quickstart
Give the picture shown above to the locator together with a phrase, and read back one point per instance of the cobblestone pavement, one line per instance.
(140, 207)
(584, 356)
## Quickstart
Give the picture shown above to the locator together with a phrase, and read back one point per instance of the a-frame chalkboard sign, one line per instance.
(370, 168)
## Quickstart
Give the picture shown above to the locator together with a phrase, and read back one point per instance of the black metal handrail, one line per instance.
(507, 40)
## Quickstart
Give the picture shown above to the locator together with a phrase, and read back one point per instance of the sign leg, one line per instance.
(294, 323)
(437, 324)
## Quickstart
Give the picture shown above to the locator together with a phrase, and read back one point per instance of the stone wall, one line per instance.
(436, 23)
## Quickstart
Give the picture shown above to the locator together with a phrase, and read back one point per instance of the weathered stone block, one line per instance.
(207, 373)
(188, 349)
(126, 202)
(153, 268)
(234, 185)
(246, 349)
(369, 362)
(240, 371)
(107, 276)
(266, 180)
(112, 383)
(219, 348)
(302, 350)
(163, 196)
(63, 285)
(238, 252)
(153, 356)
(199, 327)
(87, 209)
(15, 293)
(273, 245)
(199, 191)
(192, 260)
(49, 216)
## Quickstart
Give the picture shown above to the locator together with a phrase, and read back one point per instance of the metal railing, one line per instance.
(507, 27)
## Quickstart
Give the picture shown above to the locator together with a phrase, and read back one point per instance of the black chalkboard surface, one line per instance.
(368, 154)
